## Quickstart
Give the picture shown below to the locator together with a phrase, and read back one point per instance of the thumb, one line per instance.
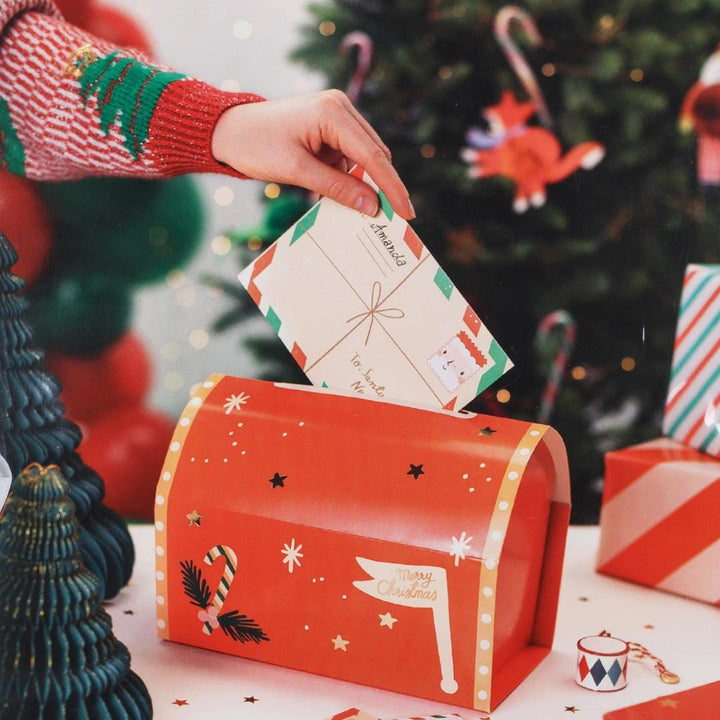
(341, 187)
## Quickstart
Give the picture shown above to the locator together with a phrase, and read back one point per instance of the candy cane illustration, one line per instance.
(517, 61)
(211, 621)
(553, 322)
(364, 45)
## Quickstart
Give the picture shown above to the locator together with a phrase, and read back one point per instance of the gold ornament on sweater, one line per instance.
(78, 61)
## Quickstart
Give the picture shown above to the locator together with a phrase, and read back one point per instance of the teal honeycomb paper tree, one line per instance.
(33, 429)
(59, 659)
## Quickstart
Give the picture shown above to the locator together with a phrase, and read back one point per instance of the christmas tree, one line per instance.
(58, 657)
(609, 245)
(34, 430)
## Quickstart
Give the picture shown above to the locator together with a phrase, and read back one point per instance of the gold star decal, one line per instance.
(668, 702)
(339, 643)
(649, 627)
(387, 620)
(194, 518)
(572, 709)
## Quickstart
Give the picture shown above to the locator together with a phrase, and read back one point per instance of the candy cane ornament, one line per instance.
(211, 622)
(559, 320)
(364, 45)
(504, 18)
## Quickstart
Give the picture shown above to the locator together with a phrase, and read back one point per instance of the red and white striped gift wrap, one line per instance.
(692, 409)
(659, 520)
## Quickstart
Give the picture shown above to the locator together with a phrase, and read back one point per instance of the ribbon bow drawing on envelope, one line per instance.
(375, 309)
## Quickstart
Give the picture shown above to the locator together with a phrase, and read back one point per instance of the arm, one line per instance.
(72, 105)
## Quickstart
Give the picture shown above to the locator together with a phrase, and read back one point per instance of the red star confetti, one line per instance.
(180, 703)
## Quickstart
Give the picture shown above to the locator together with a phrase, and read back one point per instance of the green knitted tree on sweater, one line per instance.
(33, 429)
(58, 657)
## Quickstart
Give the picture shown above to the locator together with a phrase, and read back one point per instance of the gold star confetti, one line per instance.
(387, 620)
(251, 699)
(668, 702)
(572, 709)
(339, 643)
(194, 518)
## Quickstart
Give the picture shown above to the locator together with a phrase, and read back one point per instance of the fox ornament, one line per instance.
(530, 156)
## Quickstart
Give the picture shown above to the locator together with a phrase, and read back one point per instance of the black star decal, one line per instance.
(251, 699)
(416, 470)
(487, 431)
(278, 480)
(128, 612)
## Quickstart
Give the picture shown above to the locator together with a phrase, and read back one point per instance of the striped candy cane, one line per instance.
(517, 61)
(364, 45)
(225, 581)
(559, 320)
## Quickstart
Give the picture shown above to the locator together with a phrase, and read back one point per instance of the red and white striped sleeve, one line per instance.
(72, 105)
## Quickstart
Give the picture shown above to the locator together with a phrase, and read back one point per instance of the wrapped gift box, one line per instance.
(659, 519)
(692, 410)
(353, 537)
(692, 704)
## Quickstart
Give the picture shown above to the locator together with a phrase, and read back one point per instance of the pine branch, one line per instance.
(195, 586)
(241, 627)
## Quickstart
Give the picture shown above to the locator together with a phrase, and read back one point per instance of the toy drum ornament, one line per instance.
(602, 663)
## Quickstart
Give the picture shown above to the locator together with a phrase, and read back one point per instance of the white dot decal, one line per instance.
(486, 618)
(160, 525)
(490, 564)
(503, 505)
(534, 433)
(482, 465)
(160, 550)
(471, 489)
(512, 475)
(184, 421)
(482, 695)
(160, 500)
(161, 624)
(465, 476)
(208, 384)
(307, 627)
(484, 644)
(496, 535)
(487, 591)
(166, 475)
(175, 446)
(483, 669)
(160, 575)
(196, 401)
(160, 600)
(524, 451)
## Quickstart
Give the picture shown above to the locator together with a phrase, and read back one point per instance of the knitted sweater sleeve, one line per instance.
(72, 105)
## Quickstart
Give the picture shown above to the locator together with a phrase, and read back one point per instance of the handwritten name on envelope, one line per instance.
(363, 307)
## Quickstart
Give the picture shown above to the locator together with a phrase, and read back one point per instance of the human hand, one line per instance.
(310, 141)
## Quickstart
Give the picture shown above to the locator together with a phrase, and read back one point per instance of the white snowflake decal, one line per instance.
(292, 555)
(235, 402)
(459, 546)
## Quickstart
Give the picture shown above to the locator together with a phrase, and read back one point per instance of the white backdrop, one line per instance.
(241, 45)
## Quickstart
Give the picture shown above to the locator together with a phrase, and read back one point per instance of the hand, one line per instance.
(310, 141)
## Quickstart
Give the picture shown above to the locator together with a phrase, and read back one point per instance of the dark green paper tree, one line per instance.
(59, 659)
(610, 245)
(33, 429)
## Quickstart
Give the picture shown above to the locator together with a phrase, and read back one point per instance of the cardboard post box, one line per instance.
(408, 549)
(658, 522)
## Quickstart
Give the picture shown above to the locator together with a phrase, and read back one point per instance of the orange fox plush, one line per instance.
(530, 156)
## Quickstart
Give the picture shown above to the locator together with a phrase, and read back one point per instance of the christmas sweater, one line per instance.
(72, 105)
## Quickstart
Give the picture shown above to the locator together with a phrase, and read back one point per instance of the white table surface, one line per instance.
(682, 632)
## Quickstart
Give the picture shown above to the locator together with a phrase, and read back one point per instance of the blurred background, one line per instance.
(563, 157)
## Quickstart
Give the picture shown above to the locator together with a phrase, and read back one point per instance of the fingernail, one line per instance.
(412, 209)
(366, 205)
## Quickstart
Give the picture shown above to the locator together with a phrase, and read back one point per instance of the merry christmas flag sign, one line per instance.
(692, 410)
(363, 306)
(658, 523)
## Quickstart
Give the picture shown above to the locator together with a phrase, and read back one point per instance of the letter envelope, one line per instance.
(351, 537)
(363, 306)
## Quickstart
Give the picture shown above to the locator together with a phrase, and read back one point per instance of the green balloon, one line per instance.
(137, 229)
(79, 314)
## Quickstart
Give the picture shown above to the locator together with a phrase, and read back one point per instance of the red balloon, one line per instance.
(75, 11)
(117, 27)
(120, 375)
(25, 223)
(127, 448)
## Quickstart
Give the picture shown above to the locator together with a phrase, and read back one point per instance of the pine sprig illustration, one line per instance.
(234, 624)
(241, 627)
(194, 585)
(127, 90)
